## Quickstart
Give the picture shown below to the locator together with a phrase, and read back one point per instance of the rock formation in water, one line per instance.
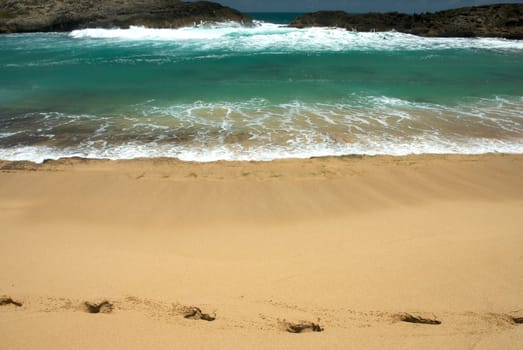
(23, 16)
(501, 20)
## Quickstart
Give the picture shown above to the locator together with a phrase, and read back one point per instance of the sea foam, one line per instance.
(257, 130)
(264, 153)
(266, 36)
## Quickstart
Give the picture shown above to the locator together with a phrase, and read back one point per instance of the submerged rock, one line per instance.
(502, 20)
(23, 16)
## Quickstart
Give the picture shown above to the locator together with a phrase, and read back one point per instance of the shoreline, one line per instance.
(351, 243)
(79, 160)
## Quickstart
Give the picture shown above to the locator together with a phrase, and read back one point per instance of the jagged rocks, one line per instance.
(22, 16)
(502, 20)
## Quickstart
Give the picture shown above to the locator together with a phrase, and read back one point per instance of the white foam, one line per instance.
(267, 36)
(266, 153)
(257, 130)
(6, 134)
(140, 33)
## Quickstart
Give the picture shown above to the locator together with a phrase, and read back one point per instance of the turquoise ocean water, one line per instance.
(228, 92)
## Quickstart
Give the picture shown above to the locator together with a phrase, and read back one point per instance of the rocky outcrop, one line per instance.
(22, 16)
(502, 20)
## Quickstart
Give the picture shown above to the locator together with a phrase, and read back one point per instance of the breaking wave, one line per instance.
(272, 37)
(257, 130)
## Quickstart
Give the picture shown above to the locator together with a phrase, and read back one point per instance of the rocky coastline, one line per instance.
(501, 20)
(25, 16)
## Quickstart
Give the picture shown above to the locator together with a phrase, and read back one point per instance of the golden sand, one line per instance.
(376, 252)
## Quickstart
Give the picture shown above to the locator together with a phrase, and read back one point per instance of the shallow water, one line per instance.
(228, 92)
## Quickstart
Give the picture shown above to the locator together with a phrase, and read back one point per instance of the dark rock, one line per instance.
(501, 20)
(23, 16)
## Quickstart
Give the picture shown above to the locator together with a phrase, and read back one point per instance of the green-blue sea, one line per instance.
(227, 92)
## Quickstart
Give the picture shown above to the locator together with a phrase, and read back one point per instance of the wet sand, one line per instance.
(354, 245)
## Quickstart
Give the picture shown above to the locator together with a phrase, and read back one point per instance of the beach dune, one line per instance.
(378, 252)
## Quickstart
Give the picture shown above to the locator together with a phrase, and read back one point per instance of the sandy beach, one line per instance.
(352, 244)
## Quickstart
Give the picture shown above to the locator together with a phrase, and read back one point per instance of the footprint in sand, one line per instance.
(194, 313)
(405, 317)
(9, 301)
(302, 327)
(104, 307)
